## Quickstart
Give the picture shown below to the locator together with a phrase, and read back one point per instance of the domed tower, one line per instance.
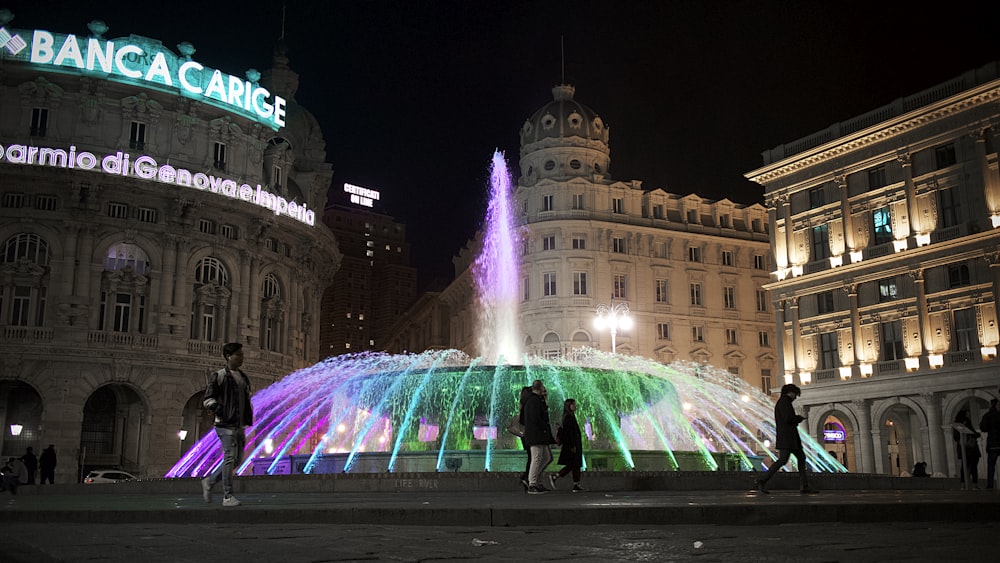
(563, 139)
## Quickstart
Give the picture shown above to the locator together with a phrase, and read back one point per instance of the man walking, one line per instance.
(47, 465)
(787, 441)
(31, 462)
(228, 397)
(990, 424)
(537, 435)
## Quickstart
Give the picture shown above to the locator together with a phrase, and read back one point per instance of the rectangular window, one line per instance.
(525, 247)
(817, 197)
(46, 202)
(950, 207)
(945, 156)
(208, 323)
(549, 284)
(694, 254)
(876, 177)
(219, 156)
(696, 294)
(958, 275)
(734, 379)
(727, 258)
(123, 310)
(732, 336)
(207, 226)
(618, 205)
(137, 136)
(579, 243)
(892, 341)
(820, 243)
(882, 221)
(228, 231)
(887, 290)
(619, 288)
(577, 201)
(765, 381)
(579, 283)
(13, 200)
(39, 121)
(277, 176)
(549, 242)
(660, 250)
(729, 297)
(966, 333)
(146, 215)
(618, 245)
(698, 334)
(525, 289)
(663, 331)
(661, 291)
(759, 262)
(761, 301)
(764, 339)
(724, 221)
(657, 212)
(824, 302)
(547, 203)
(20, 305)
(117, 210)
(828, 351)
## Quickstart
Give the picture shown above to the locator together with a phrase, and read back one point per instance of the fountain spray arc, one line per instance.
(442, 410)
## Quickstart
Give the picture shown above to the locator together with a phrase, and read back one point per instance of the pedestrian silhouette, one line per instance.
(47, 465)
(31, 463)
(570, 438)
(788, 442)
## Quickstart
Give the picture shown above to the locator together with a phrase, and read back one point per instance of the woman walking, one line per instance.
(571, 454)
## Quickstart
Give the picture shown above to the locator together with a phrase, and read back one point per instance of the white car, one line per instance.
(107, 476)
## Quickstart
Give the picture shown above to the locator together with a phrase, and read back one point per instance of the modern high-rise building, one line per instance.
(691, 271)
(151, 210)
(886, 238)
(375, 283)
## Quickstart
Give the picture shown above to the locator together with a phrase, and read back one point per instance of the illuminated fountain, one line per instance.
(445, 411)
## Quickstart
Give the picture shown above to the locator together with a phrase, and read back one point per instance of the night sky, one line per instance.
(414, 96)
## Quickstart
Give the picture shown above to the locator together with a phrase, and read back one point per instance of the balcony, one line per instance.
(121, 340)
(891, 367)
(202, 348)
(879, 251)
(27, 334)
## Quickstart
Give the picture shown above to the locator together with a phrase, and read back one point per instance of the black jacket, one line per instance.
(786, 425)
(571, 454)
(990, 424)
(535, 417)
(222, 398)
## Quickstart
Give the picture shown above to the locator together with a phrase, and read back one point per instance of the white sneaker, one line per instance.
(206, 489)
(230, 501)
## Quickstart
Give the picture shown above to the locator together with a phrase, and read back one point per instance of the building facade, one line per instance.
(691, 271)
(885, 238)
(151, 209)
(374, 285)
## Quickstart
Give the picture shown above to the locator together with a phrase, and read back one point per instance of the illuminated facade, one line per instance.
(690, 270)
(151, 209)
(886, 273)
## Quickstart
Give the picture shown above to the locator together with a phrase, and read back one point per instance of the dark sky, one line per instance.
(414, 96)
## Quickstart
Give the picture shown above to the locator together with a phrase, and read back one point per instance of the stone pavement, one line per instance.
(425, 517)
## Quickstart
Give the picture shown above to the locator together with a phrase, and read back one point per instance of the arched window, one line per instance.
(210, 306)
(124, 255)
(124, 285)
(271, 314)
(24, 263)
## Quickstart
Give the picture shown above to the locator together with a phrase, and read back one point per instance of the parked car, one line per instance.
(107, 476)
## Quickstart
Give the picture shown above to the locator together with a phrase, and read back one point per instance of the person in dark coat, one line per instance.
(571, 440)
(228, 397)
(537, 435)
(525, 393)
(990, 424)
(966, 448)
(788, 442)
(30, 462)
(47, 464)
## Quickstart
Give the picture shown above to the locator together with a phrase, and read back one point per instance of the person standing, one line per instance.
(966, 447)
(990, 424)
(525, 393)
(47, 464)
(788, 442)
(571, 454)
(31, 463)
(537, 435)
(228, 397)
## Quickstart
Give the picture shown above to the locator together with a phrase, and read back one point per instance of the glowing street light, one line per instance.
(15, 429)
(613, 317)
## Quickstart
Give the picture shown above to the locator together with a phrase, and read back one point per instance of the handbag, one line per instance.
(515, 427)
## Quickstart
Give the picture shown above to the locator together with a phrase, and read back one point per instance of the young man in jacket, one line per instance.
(788, 442)
(537, 435)
(228, 397)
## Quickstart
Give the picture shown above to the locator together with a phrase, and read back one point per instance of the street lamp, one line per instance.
(613, 317)
(15, 429)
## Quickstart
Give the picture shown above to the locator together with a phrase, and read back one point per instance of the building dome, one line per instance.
(563, 139)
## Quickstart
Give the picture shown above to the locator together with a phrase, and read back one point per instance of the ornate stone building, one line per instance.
(151, 209)
(690, 270)
(887, 270)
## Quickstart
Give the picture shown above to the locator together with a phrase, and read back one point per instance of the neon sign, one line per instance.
(146, 168)
(361, 196)
(833, 435)
(143, 60)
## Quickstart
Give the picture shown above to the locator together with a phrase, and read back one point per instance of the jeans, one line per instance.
(233, 440)
(541, 457)
(800, 458)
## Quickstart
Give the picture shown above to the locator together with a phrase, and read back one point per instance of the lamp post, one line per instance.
(613, 317)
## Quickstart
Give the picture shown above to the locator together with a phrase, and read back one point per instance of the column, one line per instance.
(183, 276)
(991, 181)
(796, 336)
(779, 334)
(85, 258)
(69, 259)
(866, 453)
(938, 462)
(786, 212)
(845, 216)
(925, 328)
(993, 259)
(856, 340)
(916, 225)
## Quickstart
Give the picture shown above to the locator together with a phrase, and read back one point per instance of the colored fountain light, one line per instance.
(443, 410)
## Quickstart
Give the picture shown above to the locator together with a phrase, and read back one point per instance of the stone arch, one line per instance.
(115, 427)
(23, 405)
(902, 435)
(847, 452)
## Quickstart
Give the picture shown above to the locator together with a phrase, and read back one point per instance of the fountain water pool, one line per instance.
(445, 411)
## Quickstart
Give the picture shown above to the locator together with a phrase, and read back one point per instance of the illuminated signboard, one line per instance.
(146, 168)
(361, 196)
(147, 62)
(833, 435)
